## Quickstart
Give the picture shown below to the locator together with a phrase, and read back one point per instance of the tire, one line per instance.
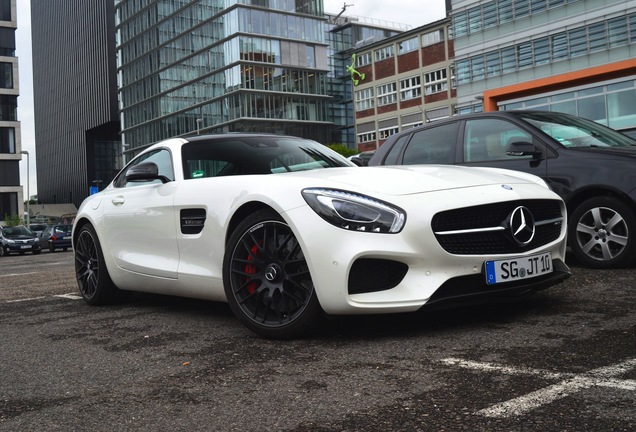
(51, 248)
(267, 280)
(93, 280)
(4, 251)
(602, 233)
(37, 252)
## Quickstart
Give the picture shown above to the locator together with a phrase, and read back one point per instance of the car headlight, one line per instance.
(355, 212)
(10, 241)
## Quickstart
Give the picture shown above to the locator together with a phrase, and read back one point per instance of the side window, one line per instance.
(433, 145)
(487, 139)
(161, 158)
(393, 154)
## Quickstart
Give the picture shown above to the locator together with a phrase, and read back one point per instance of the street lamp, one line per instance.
(28, 218)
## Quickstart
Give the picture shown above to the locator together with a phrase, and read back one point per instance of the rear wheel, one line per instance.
(267, 280)
(603, 233)
(93, 279)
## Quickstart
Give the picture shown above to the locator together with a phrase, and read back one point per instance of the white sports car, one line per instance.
(286, 231)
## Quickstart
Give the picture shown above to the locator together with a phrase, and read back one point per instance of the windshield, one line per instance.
(245, 155)
(17, 231)
(571, 131)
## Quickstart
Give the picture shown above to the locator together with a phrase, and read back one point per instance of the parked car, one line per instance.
(18, 239)
(285, 229)
(38, 228)
(362, 159)
(57, 237)
(592, 167)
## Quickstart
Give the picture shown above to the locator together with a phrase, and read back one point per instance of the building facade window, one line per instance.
(384, 53)
(366, 137)
(435, 82)
(387, 94)
(432, 37)
(9, 204)
(6, 75)
(8, 108)
(7, 140)
(364, 99)
(5, 10)
(385, 133)
(363, 59)
(7, 42)
(611, 104)
(411, 88)
(408, 45)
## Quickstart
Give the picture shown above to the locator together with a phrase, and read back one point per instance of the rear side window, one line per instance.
(433, 145)
(393, 154)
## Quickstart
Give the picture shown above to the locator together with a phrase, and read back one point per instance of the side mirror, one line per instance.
(522, 148)
(145, 171)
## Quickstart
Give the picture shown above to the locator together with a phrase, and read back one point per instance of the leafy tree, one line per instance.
(343, 149)
(13, 220)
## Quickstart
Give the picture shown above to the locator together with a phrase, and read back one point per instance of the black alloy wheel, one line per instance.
(603, 233)
(267, 280)
(92, 275)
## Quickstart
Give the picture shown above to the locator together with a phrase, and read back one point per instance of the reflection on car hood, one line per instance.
(410, 179)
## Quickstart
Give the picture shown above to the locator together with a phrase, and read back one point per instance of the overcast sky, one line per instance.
(411, 12)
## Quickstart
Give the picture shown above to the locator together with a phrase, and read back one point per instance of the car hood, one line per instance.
(412, 179)
(20, 237)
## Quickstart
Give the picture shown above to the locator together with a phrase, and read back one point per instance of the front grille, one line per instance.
(489, 230)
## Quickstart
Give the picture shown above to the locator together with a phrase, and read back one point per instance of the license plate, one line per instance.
(25, 247)
(66, 238)
(514, 269)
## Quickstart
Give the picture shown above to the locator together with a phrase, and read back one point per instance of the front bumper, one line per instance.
(405, 271)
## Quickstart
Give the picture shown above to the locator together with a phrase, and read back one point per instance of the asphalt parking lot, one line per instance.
(562, 360)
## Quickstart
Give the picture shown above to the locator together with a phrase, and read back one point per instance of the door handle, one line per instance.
(118, 200)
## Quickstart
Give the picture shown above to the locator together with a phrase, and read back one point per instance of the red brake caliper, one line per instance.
(251, 269)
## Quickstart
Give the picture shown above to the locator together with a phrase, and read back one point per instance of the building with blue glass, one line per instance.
(209, 66)
(573, 56)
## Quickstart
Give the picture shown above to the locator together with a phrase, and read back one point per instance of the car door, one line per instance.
(139, 222)
(484, 142)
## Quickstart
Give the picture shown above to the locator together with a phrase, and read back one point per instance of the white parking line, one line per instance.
(70, 296)
(571, 383)
(17, 274)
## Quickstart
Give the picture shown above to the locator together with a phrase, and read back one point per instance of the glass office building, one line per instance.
(11, 193)
(215, 66)
(575, 56)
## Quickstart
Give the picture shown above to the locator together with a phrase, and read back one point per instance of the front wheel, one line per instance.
(267, 280)
(602, 233)
(95, 284)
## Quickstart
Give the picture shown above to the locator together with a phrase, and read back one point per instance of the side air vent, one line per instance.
(192, 221)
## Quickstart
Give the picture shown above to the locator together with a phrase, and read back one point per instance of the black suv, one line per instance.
(592, 167)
